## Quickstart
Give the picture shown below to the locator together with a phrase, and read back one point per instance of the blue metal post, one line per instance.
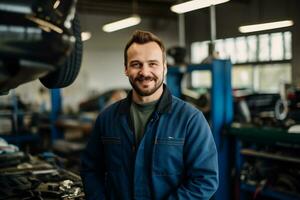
(56, 107)
(15, 116)
(221, 115)
(174, 77)
(228, 93)
(238, 166)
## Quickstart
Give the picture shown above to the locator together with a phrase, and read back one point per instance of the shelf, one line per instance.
(267, 192)
(265, 135)
(5, 114)
(86, 127)
(251, 152)
(20, 138)
(10, 113)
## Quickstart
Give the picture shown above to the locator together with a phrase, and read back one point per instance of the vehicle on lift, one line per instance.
(39, 40)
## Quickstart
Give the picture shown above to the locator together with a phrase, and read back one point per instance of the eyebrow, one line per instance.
(134, 61)
(153, 61)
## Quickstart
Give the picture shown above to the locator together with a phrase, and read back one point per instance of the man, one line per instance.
(150, 145)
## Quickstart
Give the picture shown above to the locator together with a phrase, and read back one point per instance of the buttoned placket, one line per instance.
(141, 158)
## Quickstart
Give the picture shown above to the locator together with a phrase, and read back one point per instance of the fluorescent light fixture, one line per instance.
(85, 36)
(124, 23)
(194, 5)
(265, 26)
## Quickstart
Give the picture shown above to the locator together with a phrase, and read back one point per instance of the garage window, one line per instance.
(260, 62)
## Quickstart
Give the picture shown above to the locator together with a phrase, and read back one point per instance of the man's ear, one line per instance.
(125, 70)
(166, 69)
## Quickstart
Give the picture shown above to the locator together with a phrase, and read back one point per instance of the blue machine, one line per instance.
(221, 111)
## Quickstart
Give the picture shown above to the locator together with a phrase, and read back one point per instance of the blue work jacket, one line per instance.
(176, 158)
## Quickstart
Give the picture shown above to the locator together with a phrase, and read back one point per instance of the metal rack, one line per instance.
(16, 138)
(259, 137)
(16, 115)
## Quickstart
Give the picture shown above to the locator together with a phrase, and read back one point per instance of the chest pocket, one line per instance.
(113, 152)
(168, 156)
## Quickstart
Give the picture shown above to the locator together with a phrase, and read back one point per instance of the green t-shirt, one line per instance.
(140, 114)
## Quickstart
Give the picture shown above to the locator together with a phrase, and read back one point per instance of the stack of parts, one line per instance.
(26, 177)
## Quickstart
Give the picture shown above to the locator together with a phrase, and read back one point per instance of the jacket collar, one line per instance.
(164, 103)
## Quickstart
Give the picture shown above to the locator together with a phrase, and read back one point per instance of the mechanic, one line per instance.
(150, 145)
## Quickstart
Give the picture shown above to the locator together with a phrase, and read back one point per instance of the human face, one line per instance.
(145, 68)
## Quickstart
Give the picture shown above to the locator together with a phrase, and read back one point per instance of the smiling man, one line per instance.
(145, 66)
(150, 145)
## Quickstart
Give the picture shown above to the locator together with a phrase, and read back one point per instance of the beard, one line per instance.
(149, 91)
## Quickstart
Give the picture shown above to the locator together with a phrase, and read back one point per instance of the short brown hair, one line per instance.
(143, 37)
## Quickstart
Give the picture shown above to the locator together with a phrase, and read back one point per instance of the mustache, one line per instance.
(144, 78)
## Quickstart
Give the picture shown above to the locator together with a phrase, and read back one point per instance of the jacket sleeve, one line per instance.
(92, 166)
(201, 162)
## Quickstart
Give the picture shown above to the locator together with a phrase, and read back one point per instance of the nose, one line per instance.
(145, 70)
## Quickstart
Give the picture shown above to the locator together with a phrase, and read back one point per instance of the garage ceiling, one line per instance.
(149, 8)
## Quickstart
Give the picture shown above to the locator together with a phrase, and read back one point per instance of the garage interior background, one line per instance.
(102, 65)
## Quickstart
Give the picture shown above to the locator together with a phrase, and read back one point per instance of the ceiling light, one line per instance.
(85, 36)
(265, 26)
(121, 24)
(194, 5)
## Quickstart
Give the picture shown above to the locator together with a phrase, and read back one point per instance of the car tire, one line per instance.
(66, 75)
